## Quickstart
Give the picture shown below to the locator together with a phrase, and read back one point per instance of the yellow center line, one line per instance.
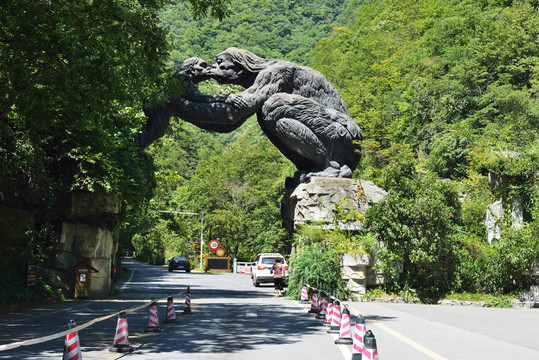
(403, 338)
(180, 280)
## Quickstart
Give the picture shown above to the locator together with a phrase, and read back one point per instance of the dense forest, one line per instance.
(446, 93)
(271, 29)
(446, 90)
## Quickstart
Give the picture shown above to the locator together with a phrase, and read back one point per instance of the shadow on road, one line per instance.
(225, 320)
(239, 328)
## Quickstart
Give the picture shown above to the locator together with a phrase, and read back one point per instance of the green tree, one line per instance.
(414, 224)
(73, 77)
(239, 191)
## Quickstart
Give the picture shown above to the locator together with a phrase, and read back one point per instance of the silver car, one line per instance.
(261, 268)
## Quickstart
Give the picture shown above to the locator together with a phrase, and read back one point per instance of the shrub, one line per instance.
(13, 288)
(319, 266)
(509, 261)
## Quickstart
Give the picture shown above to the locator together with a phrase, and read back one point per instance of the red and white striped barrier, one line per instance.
(329, 313)
(153, 319)
(171, 311)
(187, 308)
(314, 302)
(304, 295)
(72, 344)
(345, 336)
(335, 327)
(247, 271)
(323, 308)
(359, 334)
(121, 338)
(363, 341)
(370, 352)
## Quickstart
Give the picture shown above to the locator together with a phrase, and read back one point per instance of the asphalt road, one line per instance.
(423, 332)
(232, 319)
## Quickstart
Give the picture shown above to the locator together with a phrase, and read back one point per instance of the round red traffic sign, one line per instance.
(214, 245)
(220, 251)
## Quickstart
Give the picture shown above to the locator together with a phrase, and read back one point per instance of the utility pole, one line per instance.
(201, 227)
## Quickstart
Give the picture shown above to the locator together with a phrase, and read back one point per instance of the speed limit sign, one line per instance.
(214, 245)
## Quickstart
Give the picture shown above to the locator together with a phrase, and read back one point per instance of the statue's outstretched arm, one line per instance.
(221, 113)
(224, 111)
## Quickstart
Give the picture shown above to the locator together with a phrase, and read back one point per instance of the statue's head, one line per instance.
(237, 66)
(195, 69)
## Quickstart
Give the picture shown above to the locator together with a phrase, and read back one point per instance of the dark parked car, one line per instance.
(179, 263)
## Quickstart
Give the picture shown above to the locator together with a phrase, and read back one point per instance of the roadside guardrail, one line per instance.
(240, 267)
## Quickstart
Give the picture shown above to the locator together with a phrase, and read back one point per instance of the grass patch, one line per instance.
(490, 300)
(374, 294)
(408, 295)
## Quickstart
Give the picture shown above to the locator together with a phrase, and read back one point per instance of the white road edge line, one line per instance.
(128, 280)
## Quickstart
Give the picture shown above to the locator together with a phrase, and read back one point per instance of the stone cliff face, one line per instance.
(495, 212)
(85, 235)
(314, 201)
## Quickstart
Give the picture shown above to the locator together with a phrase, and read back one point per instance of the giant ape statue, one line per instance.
(298, 108)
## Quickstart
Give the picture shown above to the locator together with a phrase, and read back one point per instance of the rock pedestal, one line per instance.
(86, 236)
(314, 203)
(355, 271)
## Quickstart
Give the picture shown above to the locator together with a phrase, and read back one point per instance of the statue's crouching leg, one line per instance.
(297, 126)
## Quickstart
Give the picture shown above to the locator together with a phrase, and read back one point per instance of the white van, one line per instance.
(261, 267)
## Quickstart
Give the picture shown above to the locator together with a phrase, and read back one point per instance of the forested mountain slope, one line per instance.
(446, 89)
(455, 81)
(280, 29)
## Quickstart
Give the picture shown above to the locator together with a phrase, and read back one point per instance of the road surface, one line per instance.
(232, 319)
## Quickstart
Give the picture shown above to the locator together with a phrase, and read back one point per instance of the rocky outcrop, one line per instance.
(493, 218)
(495, 212)
(314, 203)
(85, 235)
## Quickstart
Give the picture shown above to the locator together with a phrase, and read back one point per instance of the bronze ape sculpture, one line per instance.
(297, 107)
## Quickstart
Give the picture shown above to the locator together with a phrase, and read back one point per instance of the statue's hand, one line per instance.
(236, 100)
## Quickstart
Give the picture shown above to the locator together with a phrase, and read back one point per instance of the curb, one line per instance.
(28, 305)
